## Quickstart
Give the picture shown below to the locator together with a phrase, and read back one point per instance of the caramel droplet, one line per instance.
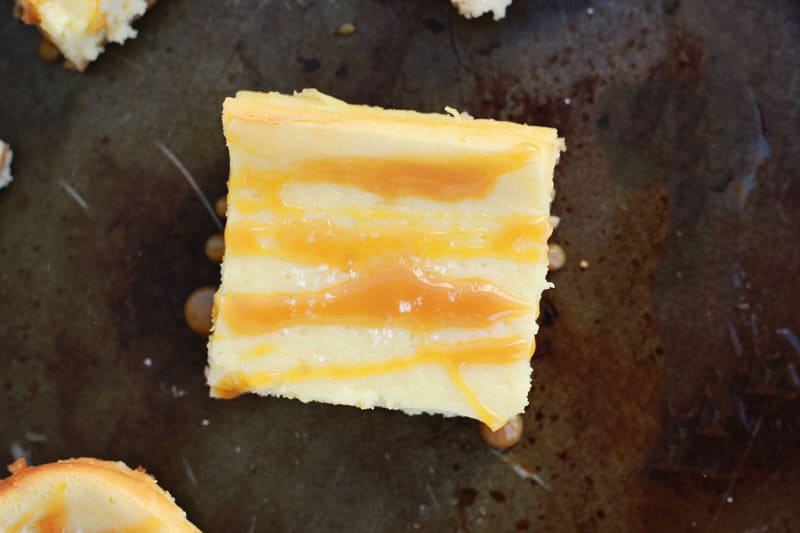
(47, 51)
(348, 28)
(215, 247)
(505, 437)
(221, 207)
(197, 310)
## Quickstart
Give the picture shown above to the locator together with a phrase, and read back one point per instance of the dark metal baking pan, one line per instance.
(666, 385)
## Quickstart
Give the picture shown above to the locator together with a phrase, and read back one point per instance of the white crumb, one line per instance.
(6, 155)
(556, 257)
(476, 8)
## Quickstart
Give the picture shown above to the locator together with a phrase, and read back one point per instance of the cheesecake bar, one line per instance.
(476, 8)
(381, 258)
(80, 28)
(87, 495)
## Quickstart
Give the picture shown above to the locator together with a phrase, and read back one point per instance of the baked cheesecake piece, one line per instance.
(6, 155)
(80, 28)
(381, 258)
(86, 495)
(476, 8)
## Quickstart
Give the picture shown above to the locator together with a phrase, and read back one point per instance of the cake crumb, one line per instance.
(584, 264)
(556, 257)
(79, 31)
(476, 8)
(148, 362)
(6, 155)
(348, 28)
(18, 465)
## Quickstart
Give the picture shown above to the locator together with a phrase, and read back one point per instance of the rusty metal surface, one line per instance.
(666, 378)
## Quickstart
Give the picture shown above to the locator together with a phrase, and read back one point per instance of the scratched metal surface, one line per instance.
(666, 386)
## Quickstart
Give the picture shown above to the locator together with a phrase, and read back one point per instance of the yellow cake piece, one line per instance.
(80, 28)
(86, 495)
(381, 258)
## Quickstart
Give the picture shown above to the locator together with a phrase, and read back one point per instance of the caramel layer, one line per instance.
(321, 242)
(393, 294)
(442, 178)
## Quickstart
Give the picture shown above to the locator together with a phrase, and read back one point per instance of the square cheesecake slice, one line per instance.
(381, 258)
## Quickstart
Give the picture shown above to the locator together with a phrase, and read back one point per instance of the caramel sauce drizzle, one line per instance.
(454, 178)
(452, 358)
(320, 241)
(392, 294)
(443, 178)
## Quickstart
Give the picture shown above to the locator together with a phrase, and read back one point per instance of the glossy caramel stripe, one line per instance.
(441, 178)
(452, 358)
(392, 294)
(322, 242)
